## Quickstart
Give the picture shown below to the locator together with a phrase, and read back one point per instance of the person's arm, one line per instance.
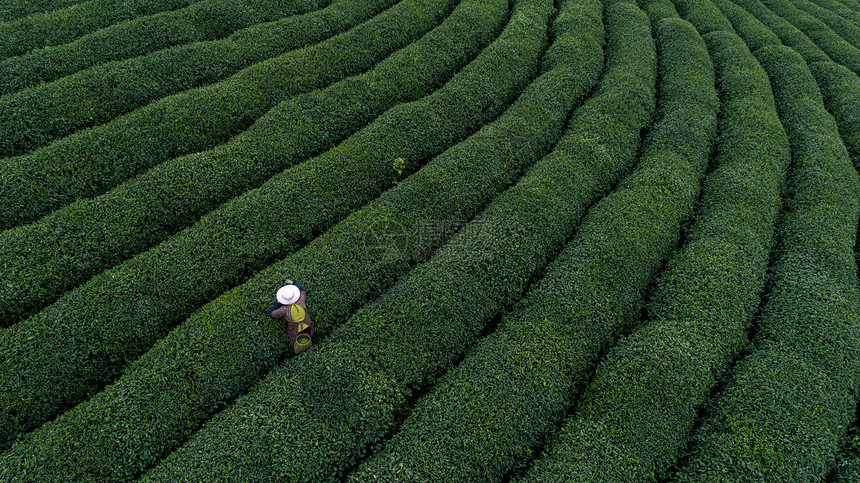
(274, 308)
(300, 286)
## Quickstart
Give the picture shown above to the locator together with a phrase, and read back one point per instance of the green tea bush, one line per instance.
(781, 419)
(432, 315)
(754, 33)
(848, 466)
(839, 86)
(15, 9)
(658, 10)
(36, 116)
(605, 273)
(841, 26)
(206, 20)
(853, 4)
(835, 46)
(634, 419)
(61, 26)
(230, 343)
(787, 33)
(840, 89)
(232, 242)
(841, 9)
(516, 385)
(783, 413)
(703, 15)
(91, 162)
(68, 246)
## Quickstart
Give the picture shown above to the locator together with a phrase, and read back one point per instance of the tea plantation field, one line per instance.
(542, 240)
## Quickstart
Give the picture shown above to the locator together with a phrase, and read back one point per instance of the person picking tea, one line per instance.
(292, 307)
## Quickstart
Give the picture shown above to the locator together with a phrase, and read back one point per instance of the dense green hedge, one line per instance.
(230, 343)
(634, 419)
(633, 231)
(60, 26)
(841, 26)
(517, 384)
(658, 10)
(835, 46)
(68, 246)
(848, 466)
(91, 162)
(754, 33)
(841, 8)
(206, 20)
(34, 117)
(15, 9)
(73, 347)
(839, 86)
(782, 415)
(703, 15)
(840, 89)
(432, 315)
(787, 33)
(854, 4)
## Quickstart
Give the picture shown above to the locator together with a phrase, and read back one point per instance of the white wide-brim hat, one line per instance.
(288, 294)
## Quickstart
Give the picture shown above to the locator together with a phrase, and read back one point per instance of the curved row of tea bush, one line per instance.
(91, 162)
(658, 10)
(753, 32)
(649, 208)
(634, 420)
(15, 9)
(840, 8)
(703, 15)
(229, 344)
(783, 413)
(841, 26)
(68, 246)
(61, 26)
(518, 383)
(206, 20)
(34, 117)
(854, 4)
(840, 89)
(434, 313)
(835, 46)
(839, 86)
(81, 342)
(790, 35)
